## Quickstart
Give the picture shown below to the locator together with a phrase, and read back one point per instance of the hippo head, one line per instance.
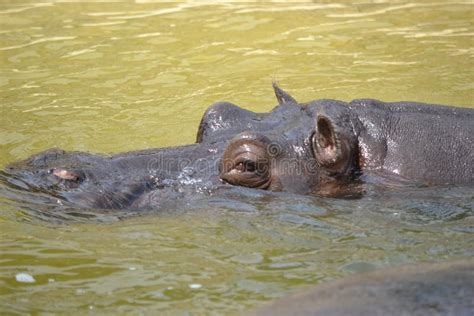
(299, 148)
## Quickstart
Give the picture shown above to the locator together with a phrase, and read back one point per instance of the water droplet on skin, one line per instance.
(188, 171)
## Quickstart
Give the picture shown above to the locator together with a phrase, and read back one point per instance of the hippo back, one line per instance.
(432, 143)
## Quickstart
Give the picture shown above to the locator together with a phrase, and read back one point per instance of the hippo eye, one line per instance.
(246, 163)
(246, 166)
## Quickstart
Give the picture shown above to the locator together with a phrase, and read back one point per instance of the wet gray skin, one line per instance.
(422, 289)
(324, 147)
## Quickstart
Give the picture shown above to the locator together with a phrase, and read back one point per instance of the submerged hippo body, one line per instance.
(422, 289)
(322, 147)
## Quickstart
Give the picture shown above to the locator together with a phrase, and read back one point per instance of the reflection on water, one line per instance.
(116, 77)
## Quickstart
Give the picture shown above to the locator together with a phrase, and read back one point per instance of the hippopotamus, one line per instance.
(323, 147)
(442, 288)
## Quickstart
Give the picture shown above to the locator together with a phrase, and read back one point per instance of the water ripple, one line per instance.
(415, 32)
(104, 23)
(386, 63)
(146, 14)
(24, 8)
(41, 40)
(143, 35)
(389, 9)
(247, 51)
(306, 7)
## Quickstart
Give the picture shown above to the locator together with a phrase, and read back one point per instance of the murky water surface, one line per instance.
(116, 77)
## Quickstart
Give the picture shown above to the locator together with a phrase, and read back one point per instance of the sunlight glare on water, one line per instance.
(113, 77)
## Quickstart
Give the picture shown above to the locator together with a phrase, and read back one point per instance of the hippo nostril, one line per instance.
(66, 174)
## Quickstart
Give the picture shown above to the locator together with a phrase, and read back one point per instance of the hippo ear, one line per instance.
(282, 96)
(330, 148)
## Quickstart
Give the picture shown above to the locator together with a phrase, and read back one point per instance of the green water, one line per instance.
(112, 77)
